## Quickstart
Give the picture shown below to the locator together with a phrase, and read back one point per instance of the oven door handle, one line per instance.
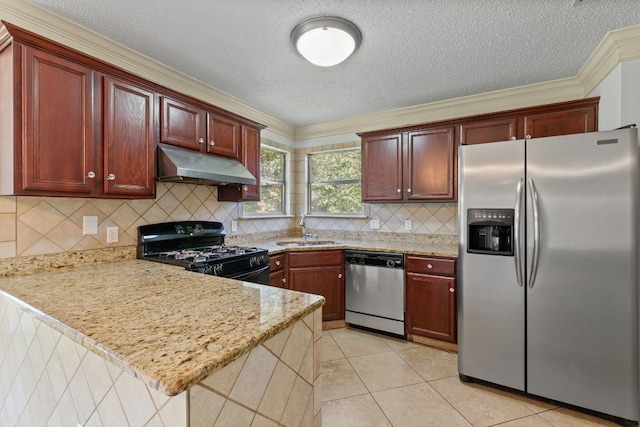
(245, 274)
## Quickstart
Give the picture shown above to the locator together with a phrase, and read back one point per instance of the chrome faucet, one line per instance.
(303, 224)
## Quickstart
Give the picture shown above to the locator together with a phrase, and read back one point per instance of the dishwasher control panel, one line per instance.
(376, 259)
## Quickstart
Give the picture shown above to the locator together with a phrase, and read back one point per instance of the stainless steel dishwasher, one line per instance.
(375, 290)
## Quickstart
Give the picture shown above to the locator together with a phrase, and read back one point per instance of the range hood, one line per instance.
(181, 165)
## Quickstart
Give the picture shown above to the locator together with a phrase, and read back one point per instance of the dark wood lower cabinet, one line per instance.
(320, 273)
(431, 298)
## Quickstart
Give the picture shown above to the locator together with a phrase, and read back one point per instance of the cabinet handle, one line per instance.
(399, 190)
(111, 177)
(513, 138)
(451, 290)
(91, 175)
(212, 143)
(528, 137)
(284, 280)
(408, 190)
(340, 276)
(200, 140)
(429, 266)
(245, 188)
(277, 262)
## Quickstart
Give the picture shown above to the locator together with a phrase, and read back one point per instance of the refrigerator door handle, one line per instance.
(536, 232)
(516, 232)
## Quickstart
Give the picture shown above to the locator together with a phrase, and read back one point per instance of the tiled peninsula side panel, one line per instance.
(48, 379)
(276, 384)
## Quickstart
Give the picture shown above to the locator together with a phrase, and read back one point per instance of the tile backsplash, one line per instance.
(46, 225)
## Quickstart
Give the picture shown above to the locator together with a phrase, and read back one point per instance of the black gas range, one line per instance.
(199, 246)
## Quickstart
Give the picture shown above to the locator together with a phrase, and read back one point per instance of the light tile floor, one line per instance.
(373, 380)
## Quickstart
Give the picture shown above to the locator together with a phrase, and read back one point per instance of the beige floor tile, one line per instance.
(384, 370)
(530, 421)
(418, 405)
(340, 380)
(563, 417)
(431, 363)
(356, 343)
(481, 405)
(330, 350)
(361, 411)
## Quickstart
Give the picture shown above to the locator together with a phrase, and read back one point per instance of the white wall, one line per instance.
(619, 94)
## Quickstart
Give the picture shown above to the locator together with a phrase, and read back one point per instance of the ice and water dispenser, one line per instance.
(490, 231)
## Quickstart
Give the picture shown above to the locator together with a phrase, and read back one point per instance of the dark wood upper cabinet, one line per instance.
(55, 148)
(382, 168)
(225, 136)
(190, 126)
(490, 130)
(569, 121)
(563, 118)
(409, 166)
(182, 124)
(129, 139)
(250, 158)
(429, 165)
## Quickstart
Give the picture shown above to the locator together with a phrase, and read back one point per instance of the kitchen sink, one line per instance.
(299, 242)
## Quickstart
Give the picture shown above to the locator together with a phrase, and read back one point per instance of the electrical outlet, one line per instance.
(112, 234)
(374, 224)
(89, 225)
(407, 225)
(234, 225)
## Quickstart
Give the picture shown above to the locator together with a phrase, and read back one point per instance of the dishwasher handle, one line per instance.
(375, 259)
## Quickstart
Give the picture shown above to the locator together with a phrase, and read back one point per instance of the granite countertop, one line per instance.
(443, 247)
(167, 326)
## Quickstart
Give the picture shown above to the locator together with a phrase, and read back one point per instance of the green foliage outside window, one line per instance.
(272, 185)
(335, 183)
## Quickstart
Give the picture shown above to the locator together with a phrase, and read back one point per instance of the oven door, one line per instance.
(259, 275)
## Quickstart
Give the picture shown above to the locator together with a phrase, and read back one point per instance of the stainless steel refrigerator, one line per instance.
(548, 268)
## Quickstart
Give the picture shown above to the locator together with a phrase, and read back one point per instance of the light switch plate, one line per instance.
(407, 225)
(89, 225)
(374, 224)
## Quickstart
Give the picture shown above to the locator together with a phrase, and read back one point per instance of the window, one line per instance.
(334, 183)
(272, 185)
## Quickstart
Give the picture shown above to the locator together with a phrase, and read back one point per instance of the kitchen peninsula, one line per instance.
(139, 343)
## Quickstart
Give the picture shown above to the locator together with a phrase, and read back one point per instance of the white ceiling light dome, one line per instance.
(326, 41)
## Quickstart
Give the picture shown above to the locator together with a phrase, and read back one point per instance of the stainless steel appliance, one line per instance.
(199, 246)
(375, 289)
(548, 268)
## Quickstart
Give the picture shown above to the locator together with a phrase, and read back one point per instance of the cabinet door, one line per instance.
(224, 136)
(327, 281)
(250, 156)
(382, 168)
(577, 120)
(129, 139)
(183, 125)
(58, 112)
(492, 130)
(276, 279)
(430, 169)
(431, 306)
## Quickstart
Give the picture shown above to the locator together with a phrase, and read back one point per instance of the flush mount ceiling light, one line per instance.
(326, 41)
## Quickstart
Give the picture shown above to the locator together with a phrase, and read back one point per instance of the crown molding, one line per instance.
(500, 100)
(618, 46)
(63, 31)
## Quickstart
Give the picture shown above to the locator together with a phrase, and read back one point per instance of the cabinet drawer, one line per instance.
(315, 258)
(276, 262)
(429, 265)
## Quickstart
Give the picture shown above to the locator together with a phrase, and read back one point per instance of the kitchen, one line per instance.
(45, 225)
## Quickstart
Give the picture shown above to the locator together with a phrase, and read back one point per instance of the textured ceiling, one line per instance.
(413, 51)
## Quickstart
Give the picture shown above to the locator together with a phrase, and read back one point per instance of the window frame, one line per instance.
(284, 183)
(309, 185)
